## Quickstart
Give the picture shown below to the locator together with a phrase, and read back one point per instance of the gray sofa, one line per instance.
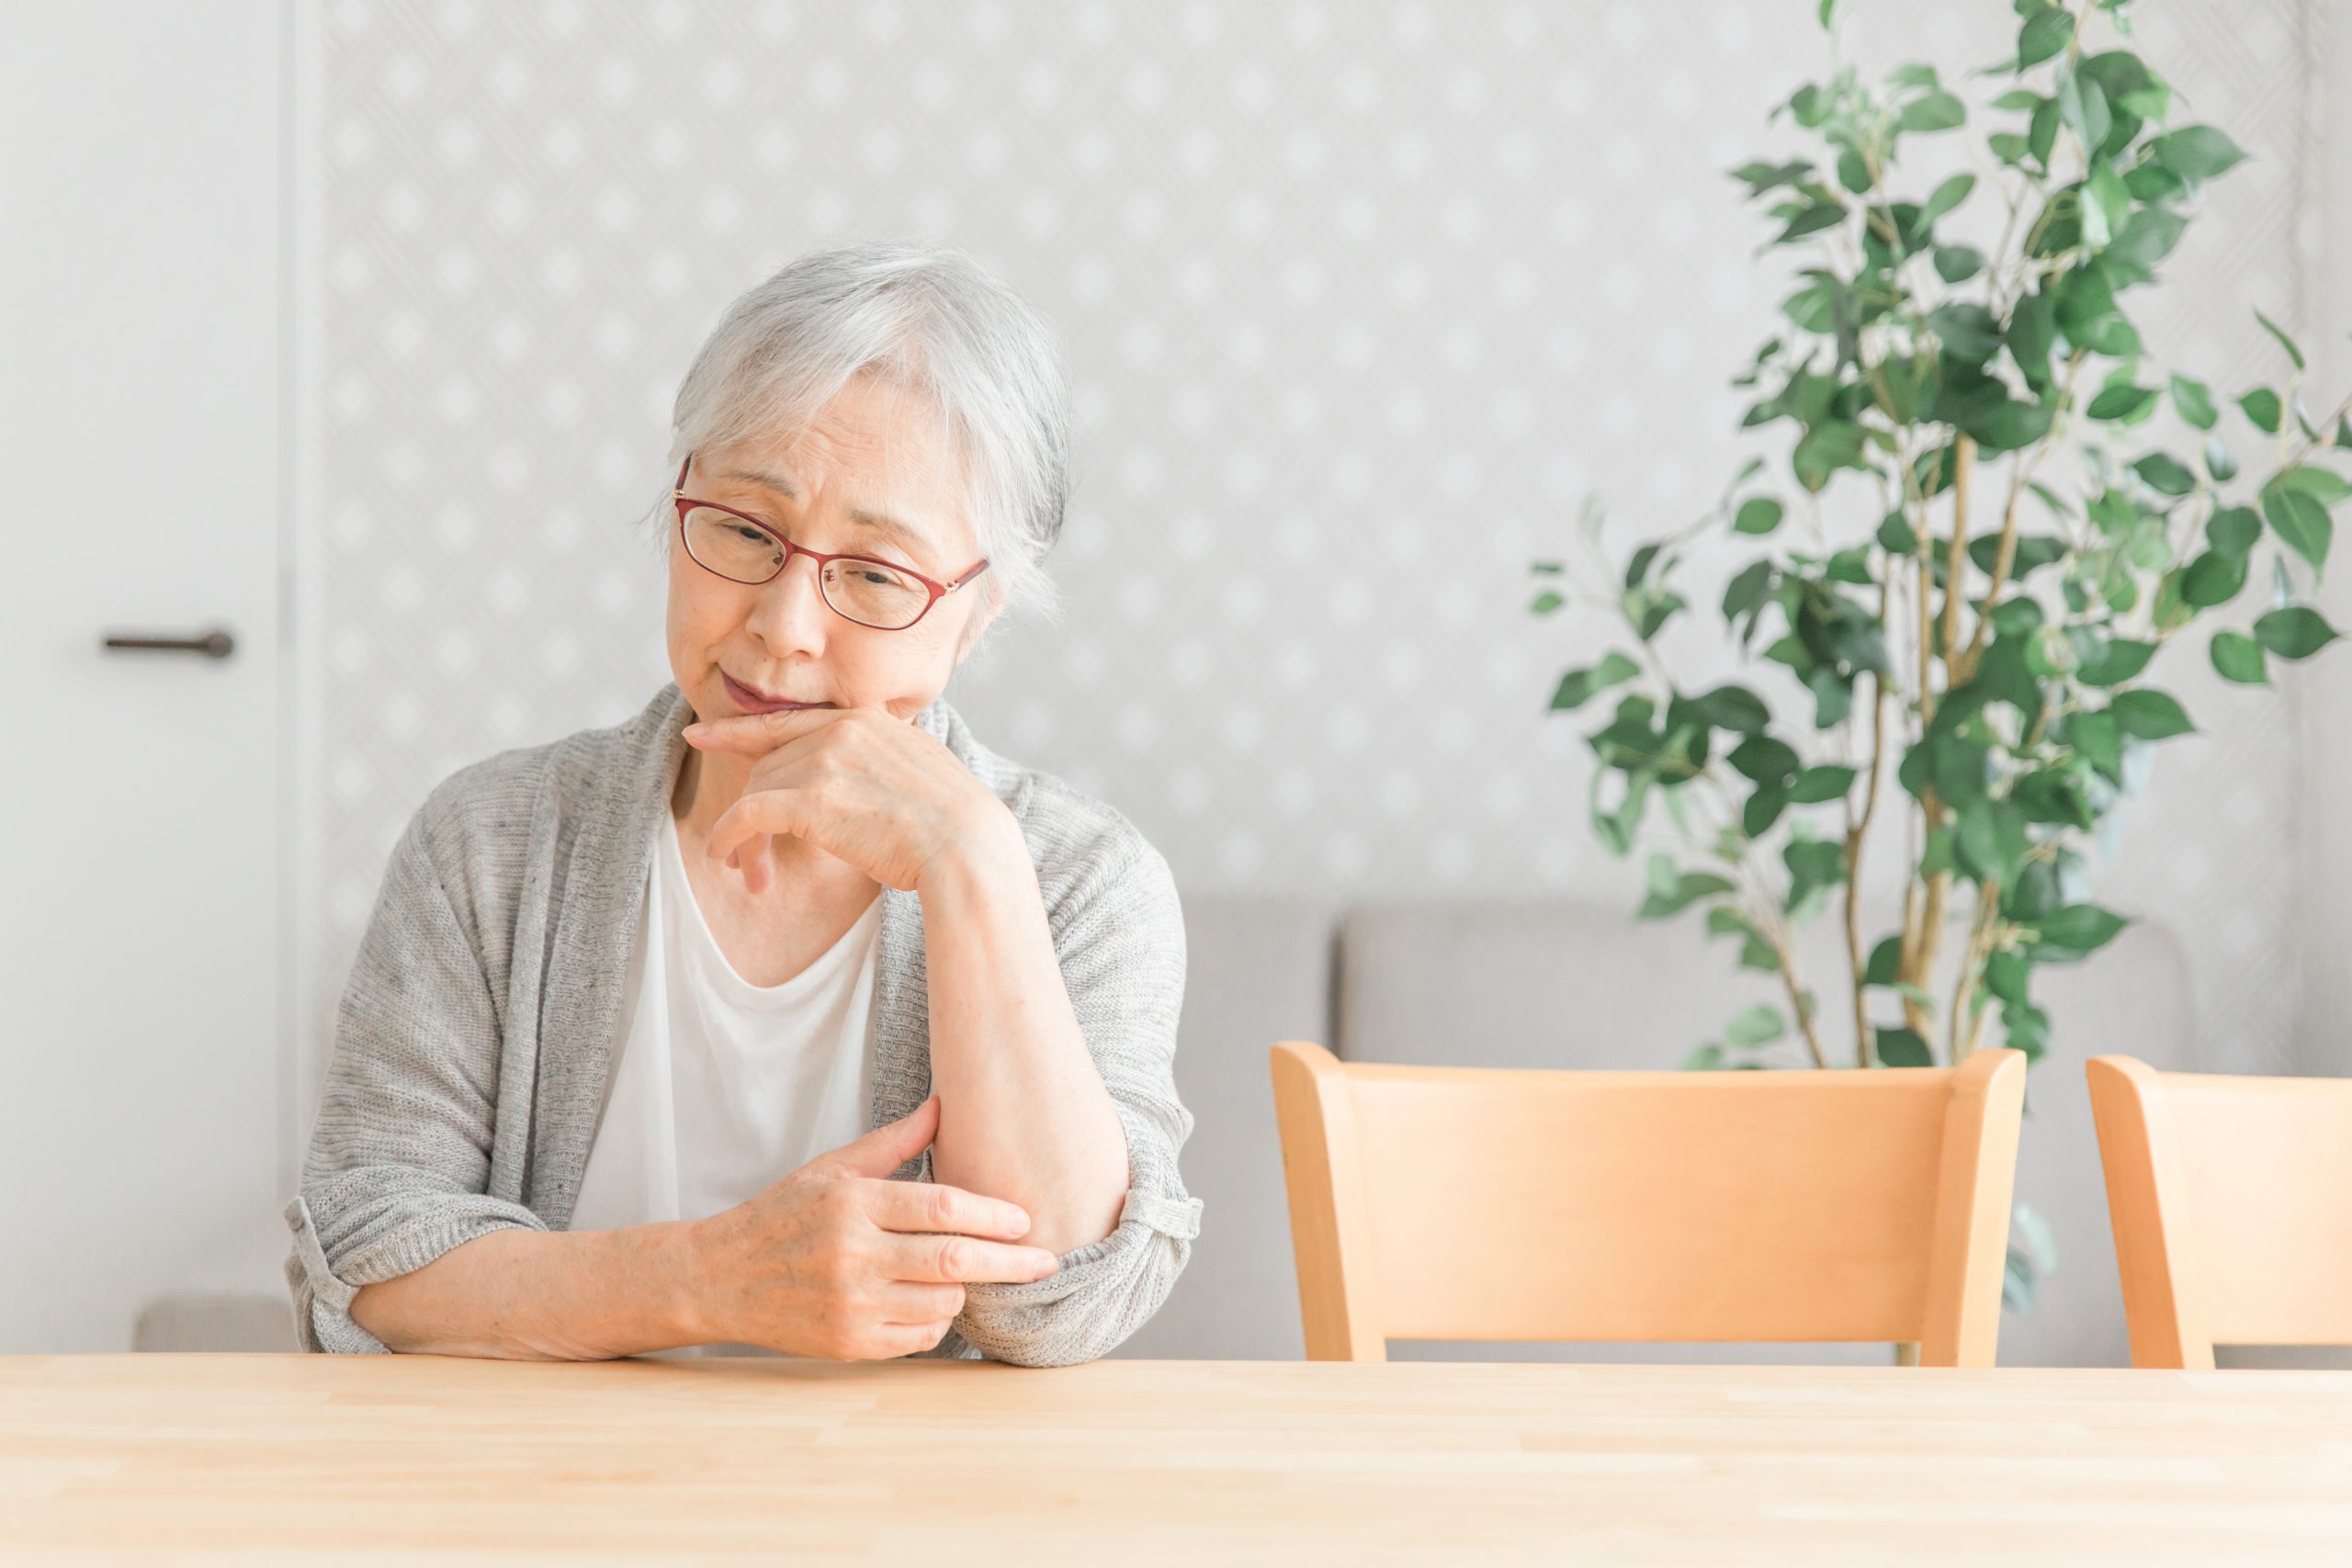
(1532, 983)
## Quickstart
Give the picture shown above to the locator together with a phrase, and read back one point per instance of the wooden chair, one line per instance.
(1479, 1203)
(2231, 1202)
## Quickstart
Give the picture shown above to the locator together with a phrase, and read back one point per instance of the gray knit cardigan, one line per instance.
(475, 1038)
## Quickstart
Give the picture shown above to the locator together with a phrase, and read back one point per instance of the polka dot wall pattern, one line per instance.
(1360, 300)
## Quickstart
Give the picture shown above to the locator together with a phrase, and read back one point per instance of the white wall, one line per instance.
(2325, 927)
(1364, 295)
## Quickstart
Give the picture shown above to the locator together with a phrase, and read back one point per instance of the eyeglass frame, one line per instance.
(937, 591)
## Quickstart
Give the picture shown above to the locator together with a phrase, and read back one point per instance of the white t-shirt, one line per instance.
(721, 1087)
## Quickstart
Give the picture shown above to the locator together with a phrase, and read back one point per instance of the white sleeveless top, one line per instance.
(721, 1087)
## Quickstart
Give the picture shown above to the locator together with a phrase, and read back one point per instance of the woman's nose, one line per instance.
(790, 611)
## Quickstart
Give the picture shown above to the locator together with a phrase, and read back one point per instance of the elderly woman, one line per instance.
(786, 1015)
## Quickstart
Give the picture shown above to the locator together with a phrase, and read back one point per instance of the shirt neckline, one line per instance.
(721, 971)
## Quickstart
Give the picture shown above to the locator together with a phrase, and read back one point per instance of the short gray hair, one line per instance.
(933, 322)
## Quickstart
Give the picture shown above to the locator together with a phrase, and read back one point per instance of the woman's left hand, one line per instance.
(874, 790)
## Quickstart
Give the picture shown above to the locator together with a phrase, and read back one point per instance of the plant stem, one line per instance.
(1988, 904)
(2005, 558)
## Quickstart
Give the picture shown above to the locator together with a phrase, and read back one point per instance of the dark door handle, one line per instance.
(214, 644)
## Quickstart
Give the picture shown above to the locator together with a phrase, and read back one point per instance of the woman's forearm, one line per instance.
(1022, 1112)
(521, 1295)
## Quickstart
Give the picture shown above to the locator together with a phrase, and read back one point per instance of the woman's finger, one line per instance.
(758, 860)
(886, 1339)
(919, 1206)
(758, 814)
(963, 1260)
(753, 734)
(902, 1301)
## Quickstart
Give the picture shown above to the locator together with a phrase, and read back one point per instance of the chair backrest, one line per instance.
(2231, 1202)
(1484, 1203)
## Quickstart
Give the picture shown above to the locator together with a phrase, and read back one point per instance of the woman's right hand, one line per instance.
(837, 1260)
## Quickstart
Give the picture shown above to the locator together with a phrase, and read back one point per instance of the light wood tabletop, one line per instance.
(329, 1459)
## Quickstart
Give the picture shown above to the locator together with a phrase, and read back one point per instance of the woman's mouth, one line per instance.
(751, 701)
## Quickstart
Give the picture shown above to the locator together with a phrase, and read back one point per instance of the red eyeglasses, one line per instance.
(740, 548)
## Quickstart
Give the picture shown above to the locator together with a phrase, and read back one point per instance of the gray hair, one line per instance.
(932, 321)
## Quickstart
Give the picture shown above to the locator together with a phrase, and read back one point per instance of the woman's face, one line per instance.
(874, 475)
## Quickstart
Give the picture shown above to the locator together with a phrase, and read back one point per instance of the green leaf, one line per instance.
(1761, 177)
(1885, 962)
(1765, 760)
(1747, 590)
(2100, 741)
(1579, 686)
(2080, 928)
(2012, 426)
(2195, 401)
(1813, 863)
(2262, 407)
(2045, 33)
(1705, 1058)
(2218, 461)
(2284, 341)
(1812, 221)
(2121, 661)
(2164, 475)
(1816, 784)
(1958, 263)
(1968, 332)
(1546, 602)
(2233, 531)
(2151, 714)
(2197, 153)
(2301, 522)
(2323, 485)
(1902, 1048)
(1734, 708)
(2239, 657)
(2081, 104)
(1933, 112)
(1822, 450)
(2212, 579)
(2033, 330)
(1679, 893)
(2125, 402)
(2295, 632)
(2144, 238)
(1947, 197)
(1757, 1025)
(1993, 838)
(1759, 515)
(2106, 204)
(1763, 809)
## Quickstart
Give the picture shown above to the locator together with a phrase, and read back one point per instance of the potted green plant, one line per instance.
(1984, 515)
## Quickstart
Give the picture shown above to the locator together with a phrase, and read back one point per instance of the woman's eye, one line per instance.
(750, 535)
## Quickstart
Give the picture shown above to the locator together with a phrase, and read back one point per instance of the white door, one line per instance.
(141, 1115)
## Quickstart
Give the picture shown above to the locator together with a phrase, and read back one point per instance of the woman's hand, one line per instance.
(837, 1260)
(873, 790)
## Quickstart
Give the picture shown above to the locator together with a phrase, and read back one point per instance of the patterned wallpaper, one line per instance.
(1361, 300)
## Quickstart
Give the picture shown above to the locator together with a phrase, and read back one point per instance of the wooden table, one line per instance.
(324, 1460)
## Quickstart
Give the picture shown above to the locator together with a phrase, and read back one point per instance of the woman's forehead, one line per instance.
(886, 467)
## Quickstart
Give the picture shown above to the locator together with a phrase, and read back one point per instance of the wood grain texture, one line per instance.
(1802, 1206)
(340, 1459)
(2231, 1201)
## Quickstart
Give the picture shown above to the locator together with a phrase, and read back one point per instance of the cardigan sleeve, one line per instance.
(398, 1166)
(1120, 939)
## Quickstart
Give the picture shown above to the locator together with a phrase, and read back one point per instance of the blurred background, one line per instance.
(349, 330)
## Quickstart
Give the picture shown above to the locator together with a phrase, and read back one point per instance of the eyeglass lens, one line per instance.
(868, 591)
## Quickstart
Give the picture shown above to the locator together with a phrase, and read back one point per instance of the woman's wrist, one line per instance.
(683, 1265)
(988, 853)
